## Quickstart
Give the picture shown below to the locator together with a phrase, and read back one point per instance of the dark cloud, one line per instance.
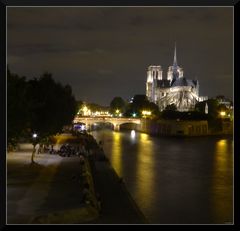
(107, 50)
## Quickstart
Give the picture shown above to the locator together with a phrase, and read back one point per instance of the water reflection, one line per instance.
(116, 157)
(145, 171)
(133, 134)
(221, 156)
(222, 185)
(174, 181)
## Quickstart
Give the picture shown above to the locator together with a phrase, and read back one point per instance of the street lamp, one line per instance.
(117, 112)
(34, 142)
(34, 138)
(222, 113)
(146, 113)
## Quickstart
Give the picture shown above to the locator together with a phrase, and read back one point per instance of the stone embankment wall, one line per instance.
(182, 128)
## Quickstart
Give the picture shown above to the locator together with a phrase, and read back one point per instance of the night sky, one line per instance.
(103, 52)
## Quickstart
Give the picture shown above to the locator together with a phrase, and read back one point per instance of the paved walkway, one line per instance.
(49, 192)
(117, 205)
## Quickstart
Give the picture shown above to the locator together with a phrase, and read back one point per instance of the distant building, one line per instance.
(175, 89)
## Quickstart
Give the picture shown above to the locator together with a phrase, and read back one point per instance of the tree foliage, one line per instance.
(117, 104)
(212, 107)
(190, 115)
(171, 107)
(51, 105)
(140, 103)
(38, 105)
(17, 110)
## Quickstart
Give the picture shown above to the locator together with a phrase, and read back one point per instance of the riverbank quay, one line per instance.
(182, 128)
(117, 205)
(49, 191)
(108, 194)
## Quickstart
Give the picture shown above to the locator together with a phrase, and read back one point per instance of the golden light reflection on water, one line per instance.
(221, 157)
(117, 153)
(222, 189)
(145, 170)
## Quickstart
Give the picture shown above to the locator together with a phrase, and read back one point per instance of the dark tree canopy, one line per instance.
(51, 105)
(171, 107)
(17, 110)
(41, 105)
(140, 103)
(177, 115)
(117, 104)
(212, 107)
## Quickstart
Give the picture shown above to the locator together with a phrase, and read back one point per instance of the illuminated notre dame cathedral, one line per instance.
(175, 89)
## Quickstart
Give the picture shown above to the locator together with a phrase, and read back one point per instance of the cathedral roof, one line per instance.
(184, 82)
(163, 83)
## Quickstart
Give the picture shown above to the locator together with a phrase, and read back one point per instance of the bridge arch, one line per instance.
(117, 122)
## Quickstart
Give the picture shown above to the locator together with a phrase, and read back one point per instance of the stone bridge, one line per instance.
(116, 121)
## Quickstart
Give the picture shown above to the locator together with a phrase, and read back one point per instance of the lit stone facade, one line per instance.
(175, 89)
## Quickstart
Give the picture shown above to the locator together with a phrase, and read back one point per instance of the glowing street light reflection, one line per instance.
(133, 134)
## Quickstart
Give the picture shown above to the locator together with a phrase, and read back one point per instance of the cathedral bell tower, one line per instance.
(154, 73)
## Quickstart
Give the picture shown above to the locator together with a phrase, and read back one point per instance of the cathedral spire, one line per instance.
(175, 66)
(175, 56)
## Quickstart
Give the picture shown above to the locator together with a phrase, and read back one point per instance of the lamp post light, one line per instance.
(117, 112)
(222, 113)
(34, 136)
(146, 113)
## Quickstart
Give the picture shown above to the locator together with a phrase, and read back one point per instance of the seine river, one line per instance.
(174, 180)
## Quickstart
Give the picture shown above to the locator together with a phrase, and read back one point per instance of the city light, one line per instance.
(117, 111)
(86, 111)
(146, 113)
(133, 134)
(34, 135)
(222, 113)
(134, 114)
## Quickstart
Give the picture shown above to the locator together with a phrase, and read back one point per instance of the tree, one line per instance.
(214, 122)
(141, 103)
(17, 110)
(117, 104)
(212, 107)
(51, 106)
(171, 107)
(40, 106)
